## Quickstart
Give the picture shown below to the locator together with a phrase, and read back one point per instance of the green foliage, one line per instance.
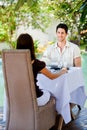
(30, 3)
(3, 35)
(83, 46)
(13, 44)
(7, 22)
(33, 14)
(39, 14)
(29, 14)
(83, 10)
(36, 43)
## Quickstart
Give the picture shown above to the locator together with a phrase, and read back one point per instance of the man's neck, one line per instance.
(61, 44)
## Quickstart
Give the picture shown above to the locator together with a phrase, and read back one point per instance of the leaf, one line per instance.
(83, 16)
(29, 2)
(19, 4)
(83, 5)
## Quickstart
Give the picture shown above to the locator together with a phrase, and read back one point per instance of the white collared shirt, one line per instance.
(53, 55)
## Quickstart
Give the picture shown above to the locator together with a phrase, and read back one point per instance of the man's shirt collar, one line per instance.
(67, 44)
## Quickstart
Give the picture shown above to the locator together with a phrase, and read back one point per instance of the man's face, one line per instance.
(61, 34)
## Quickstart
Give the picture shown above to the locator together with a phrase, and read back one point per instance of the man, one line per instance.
(63, 53)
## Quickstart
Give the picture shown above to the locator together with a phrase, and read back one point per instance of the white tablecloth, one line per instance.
(68, 88)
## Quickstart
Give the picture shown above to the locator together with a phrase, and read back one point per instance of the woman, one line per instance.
(25, 41)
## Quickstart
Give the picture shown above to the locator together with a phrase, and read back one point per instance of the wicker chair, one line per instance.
(23, 112)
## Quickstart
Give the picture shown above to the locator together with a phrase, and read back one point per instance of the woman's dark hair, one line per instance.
(63, 26)
(25, 41)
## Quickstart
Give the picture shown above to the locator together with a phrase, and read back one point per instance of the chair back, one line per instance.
(20, 90)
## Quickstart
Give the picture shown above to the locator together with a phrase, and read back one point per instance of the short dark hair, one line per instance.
(62, 25)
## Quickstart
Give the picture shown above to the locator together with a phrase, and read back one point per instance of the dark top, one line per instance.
(37, 67)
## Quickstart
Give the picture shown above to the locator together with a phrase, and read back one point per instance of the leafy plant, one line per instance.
(36, 43)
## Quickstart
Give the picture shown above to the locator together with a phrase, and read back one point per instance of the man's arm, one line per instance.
(77, 62)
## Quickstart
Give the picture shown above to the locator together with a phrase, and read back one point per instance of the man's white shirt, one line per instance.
(53, 55)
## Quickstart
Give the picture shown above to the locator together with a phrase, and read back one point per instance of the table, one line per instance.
(68, 88)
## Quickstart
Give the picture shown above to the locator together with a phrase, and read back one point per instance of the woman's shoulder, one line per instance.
(39, 62)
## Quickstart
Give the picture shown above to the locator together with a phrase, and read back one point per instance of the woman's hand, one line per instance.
(64, 70)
